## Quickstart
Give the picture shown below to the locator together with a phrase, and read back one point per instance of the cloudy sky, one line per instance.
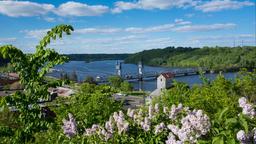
(110, 26)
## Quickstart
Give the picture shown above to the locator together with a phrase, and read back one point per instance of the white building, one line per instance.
(164, 81)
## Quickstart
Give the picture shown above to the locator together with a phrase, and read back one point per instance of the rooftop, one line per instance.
(168, 75)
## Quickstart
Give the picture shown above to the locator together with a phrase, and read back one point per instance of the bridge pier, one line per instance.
(119, 68)
(140, 71)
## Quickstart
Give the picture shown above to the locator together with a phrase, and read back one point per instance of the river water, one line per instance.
(107, 68)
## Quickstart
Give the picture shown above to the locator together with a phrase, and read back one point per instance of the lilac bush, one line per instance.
(182, 125)
(173, 125)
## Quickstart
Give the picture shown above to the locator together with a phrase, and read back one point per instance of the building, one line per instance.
(164, 80)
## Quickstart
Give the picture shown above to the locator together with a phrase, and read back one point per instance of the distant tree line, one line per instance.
(96, 57)
(214, 58)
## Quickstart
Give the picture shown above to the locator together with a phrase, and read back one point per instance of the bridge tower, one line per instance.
(140, 70)
(119, 68)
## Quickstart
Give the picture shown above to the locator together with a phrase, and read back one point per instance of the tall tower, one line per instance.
(140, 70)
(118, 69)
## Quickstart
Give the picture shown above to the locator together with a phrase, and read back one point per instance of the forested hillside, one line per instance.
(213, 58)
(157, 56)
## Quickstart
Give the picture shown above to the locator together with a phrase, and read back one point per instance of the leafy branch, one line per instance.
(32, 69)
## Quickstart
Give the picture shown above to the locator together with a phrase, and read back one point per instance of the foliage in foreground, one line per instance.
(92, 104)
(230, 117)
(32, 69)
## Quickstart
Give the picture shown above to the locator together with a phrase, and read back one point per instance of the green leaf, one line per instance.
(244, 123)
(223, 112)
(231, 121)
(217, 140)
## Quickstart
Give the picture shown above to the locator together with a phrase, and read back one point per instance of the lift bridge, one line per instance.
(142, 75)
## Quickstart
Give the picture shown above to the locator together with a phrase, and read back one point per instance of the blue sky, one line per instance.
(109, 26)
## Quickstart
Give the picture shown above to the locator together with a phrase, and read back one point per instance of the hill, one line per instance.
(208, 57)
(157, 57)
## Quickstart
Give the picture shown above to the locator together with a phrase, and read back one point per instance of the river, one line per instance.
(107, 68)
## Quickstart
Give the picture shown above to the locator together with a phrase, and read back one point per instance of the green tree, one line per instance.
(126, 86)
(32, 69)
(115, 81)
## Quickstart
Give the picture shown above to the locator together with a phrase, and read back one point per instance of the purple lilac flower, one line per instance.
(172, 140)
(69, 126)
(150, 111)
(109, 125)
(146, 124)
(242, 137)
(247, 107)
(156, 108)
(159, 128)
(130, 112)
(175, 110)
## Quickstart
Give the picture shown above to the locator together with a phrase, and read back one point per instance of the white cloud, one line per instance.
(152, 4)
(181, 22)
(210, 27)
(226, 37)
(7, 40)
(247, 36)
(98, 30)
(159, 28)
(205, 6)
(24, 8)
(72, 8)
(49, 19)
(120, 6)
(226, 40)
(38, 34)
(218, 5)
(116, 44)
(178, 26)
